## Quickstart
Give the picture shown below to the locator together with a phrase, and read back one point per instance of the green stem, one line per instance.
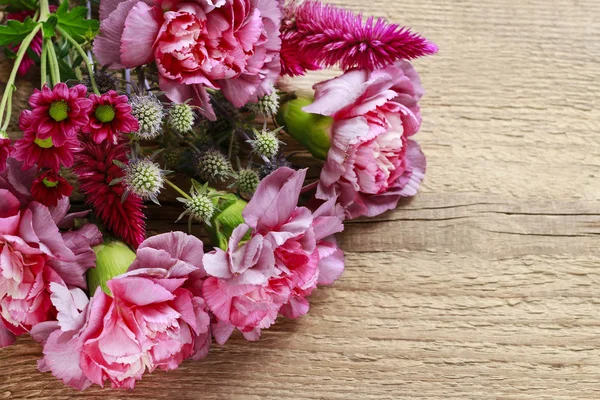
(44, 10)
(13, 75)
(174, 186)
(8, 109)
(54, 69)
(82, 53)
(44, 64)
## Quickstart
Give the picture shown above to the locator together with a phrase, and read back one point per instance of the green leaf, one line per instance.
(75, 23)
(49, 27)
(19, 5)
(14, 32)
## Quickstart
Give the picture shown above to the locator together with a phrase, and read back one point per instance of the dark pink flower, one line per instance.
(371, 163)
(49, 188)
(59, 113)
(96, 170)
(279, 266)
(5, 150)
(33, 255)
(153, 320)
(110, 116)
(232, 45)
(317, 35)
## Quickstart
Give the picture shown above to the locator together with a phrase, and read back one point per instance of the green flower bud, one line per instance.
(112, 259)
(310, 130)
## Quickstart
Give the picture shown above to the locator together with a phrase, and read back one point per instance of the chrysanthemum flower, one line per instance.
(96, 170)
(32, 150)
(59, 113)
(49, 188)
(111, 115)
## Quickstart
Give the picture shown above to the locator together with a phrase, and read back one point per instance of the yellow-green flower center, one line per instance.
(59, 110)
(44, 143)
(105, 113)
(50, 184)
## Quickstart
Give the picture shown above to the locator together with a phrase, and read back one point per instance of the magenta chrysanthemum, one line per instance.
(42, 152)
(319, 36)
(95, 169)
(111, 115)
(59, 113)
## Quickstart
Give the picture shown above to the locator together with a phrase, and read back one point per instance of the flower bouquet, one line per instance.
(156, 100)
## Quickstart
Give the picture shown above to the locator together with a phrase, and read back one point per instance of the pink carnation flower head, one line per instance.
(42, 152)
(279, 266)
(59, 113)
(155, 318)
(324, 36)
(230, 45)
(34, 254)
(95, 169)
(372, 162)
(110, 116)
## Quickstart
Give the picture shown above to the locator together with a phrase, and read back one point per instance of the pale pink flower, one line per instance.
(154, 319)
(371, 163)
(231, 45)
(33, 255)
(281, 263)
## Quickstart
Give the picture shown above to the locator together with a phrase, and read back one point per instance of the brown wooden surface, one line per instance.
(487, 284)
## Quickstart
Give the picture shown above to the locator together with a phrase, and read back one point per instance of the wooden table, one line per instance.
(484, 286)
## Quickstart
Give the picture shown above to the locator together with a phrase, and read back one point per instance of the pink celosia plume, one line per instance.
(322, 35)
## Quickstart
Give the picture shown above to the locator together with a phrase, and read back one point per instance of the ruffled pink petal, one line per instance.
(107, 45)
(138, 291)
(139, 34)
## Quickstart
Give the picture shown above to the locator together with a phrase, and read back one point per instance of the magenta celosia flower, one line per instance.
(49, 188)
(110, 116)
(316, 35)
(35, 254)
(289, 252)
(96, 170)
(42, 152)
(59, 113)
(232, 45)
(371, 163)
(5, 149)
(154, 319)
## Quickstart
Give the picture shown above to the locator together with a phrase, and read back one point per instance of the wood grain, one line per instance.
(486, 285)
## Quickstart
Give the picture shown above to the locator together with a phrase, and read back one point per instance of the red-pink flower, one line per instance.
(5, 150)
(49, 188)
(35, 254)
(232, 45)
(273, 272)
(154, 319)
(59, 113)
(317, 35)
(35, 46)
(371, 163)
(110, 116)
(96, 170)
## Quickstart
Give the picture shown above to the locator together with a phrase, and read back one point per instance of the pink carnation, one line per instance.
(154, 319)
(231, 45)
(35, 254)
(290, 248)
(371, 163)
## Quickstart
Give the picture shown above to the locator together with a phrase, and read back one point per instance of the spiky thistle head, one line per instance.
(246, 180)
(105, 81)
(143, 177)
(170, 157)
(149, 112)
(267, 106)
(200, 204)
(325, 35)
(213, 166)
(266, 143)
(181, 118)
